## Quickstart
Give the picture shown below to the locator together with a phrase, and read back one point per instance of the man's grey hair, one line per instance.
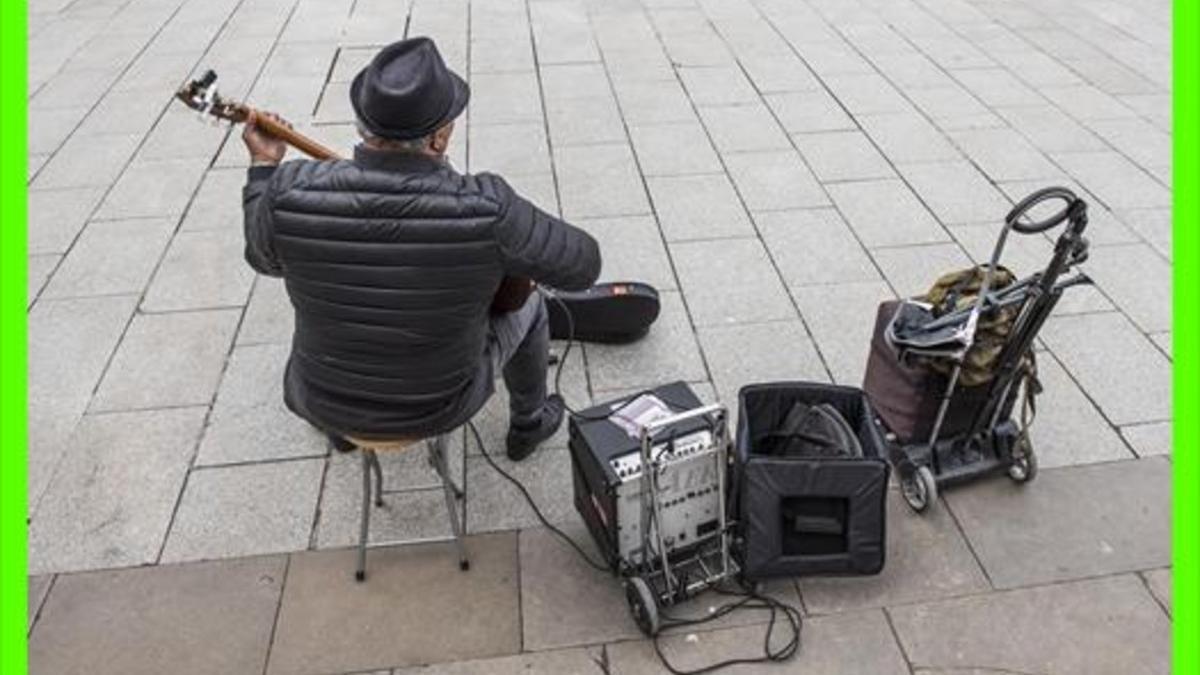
(409, 145)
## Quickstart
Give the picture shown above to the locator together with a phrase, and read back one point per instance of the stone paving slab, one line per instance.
(112, 257)
(1159, 583)
(632, 250)
(247, 510)
(730, 281)
(829, 645)
(323, 601)
(670, 352)
(186, 619)
(1148, 439)
(1069, 523)
(89, 517)
(38, 587)
(581, 661)
(844, 346)
(698, 207)
(927, 558)
(1130, 634)
(269, 316)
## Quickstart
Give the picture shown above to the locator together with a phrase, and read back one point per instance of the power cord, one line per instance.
(747, 598)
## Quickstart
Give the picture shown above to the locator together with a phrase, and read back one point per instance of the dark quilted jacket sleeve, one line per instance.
(537, 245)
(256, 208)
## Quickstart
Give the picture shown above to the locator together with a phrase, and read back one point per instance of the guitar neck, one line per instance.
(293, 138)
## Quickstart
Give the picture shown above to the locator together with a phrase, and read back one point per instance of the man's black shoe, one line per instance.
(524, 439)
(340, 444)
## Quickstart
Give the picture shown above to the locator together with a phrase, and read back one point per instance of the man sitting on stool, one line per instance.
(391, 260)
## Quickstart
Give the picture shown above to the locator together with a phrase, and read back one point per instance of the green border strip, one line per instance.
(13, 593)
(1185, 530)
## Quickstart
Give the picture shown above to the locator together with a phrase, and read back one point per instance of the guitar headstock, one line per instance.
(201, 95)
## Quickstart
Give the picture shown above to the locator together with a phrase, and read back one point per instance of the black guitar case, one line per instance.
(612, 313)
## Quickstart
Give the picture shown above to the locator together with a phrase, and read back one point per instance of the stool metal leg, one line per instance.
(438, 450)
(378, 468)
(367, 460)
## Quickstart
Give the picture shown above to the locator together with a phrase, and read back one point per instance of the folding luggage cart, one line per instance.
(992, 441)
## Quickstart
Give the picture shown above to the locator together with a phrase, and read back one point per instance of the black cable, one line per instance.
(747, 599)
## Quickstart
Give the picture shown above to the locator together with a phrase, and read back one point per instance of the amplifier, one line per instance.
(609, 478)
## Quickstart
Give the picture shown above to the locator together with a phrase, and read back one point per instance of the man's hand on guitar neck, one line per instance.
(265, 149)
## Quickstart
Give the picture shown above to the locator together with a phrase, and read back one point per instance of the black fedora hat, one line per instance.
(407, 91)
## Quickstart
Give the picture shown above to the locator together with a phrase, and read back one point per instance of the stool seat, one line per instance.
(384, 444)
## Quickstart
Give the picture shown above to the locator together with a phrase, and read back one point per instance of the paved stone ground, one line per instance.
(776, 167)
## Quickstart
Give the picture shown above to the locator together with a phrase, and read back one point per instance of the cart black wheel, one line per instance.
(642, 604)
(919, 489)
(1024, 467)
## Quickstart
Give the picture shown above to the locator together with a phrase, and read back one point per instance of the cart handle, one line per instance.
(1074, 208)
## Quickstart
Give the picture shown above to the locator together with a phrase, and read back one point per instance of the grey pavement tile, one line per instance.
(633, 250)
(1085, 102)
(1119, 368)
(907, 137)
(1155, 107)
(70, 342)
(407, 515)
(911, 270)
(829, 644)
(269, 315)
(48, 129)
(1071, 523)
(730, 281)
(561, 81)
(86, 161)
(831, 56)
(322, 598)
(585, 121)
(218, 202)
(498, 98)
(565, 603)
(698, 207)
(38, 269)
(249, 420)
(839, 317)
(201, 270)
(57, 216)
(674, 149)
(956, 192)
(157, 188)
(1138, 280)
(34, 164)
(774, 180)
(744, 354)
(842, 156)
(1148, 440)
(716, 86)
(809, 111)
(303, 59)
(1107, 626)
(669, 352)
(653, 101)
(814, 246)
(1068, 430)
(124, 113)
(495, 54)
(743, 128)
(641, 65)
(90, 518)
(778, 72)
(885, 213)
(178, 134)
(599, 180)
(696, 49)
(185, 619)
(38, 587)
(911, 70)
(1163, 341)
(245, 510)
(494, 504)
(112, 257)
(927, 559)
(1137, 139)
(1004, 155)
(1050, 129)
(509, 149)
(50, 421)
(952, 107)
(554, 662)
(996, 87)
(950, 51)
(189, 351)
(334, 105)
(1036, 68)
(866, 93)
(70, 88)
(1159, 583)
